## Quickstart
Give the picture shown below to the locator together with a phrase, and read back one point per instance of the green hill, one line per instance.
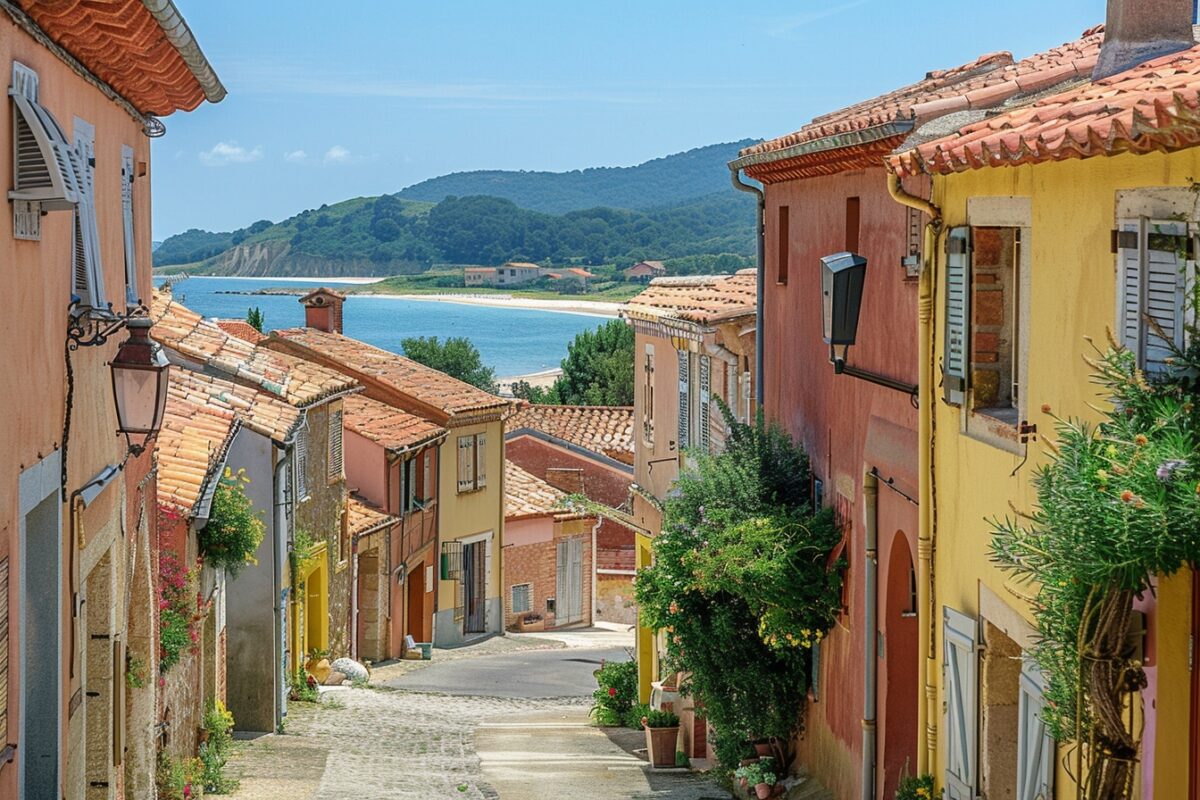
(674, 179)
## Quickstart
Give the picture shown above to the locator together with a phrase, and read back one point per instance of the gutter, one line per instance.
(180, 36)
(870, 492)
(742, 186)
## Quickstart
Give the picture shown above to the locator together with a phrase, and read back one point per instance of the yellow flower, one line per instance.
(1102, 475)
(1111, 450)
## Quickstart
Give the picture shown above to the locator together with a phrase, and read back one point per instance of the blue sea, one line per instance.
(512, 341)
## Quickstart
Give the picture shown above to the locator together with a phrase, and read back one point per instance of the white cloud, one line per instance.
(223, 153)
(338, 155)
(295, 155)
(785, 28)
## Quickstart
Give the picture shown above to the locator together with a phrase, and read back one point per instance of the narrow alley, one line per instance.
(507, 718)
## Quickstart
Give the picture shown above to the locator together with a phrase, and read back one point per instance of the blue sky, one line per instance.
(329, 101)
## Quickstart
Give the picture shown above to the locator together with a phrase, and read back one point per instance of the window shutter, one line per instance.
(466, 463)
(43, 176)
(427, 476)
(88, 276)
(131, 287)
(684, 400)
(4, 636)
(648, 396)
(118, 702)
(746, 397)
(1129, 282)
(960, 639)
(1166, 254)
(521, 594)
(958, 314)
(335, 445)
(705, 433)
(410, 470)
(1035, 748)
(480, 460)
(301, 461)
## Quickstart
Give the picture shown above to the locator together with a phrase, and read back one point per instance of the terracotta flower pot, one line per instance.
(763, 749)
(319, 668)
(763, 790)
(660, 745)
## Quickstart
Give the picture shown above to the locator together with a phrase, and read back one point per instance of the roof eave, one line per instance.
(836, 141)
(176, 29)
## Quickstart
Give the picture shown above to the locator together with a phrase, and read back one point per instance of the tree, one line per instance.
(456, 357)
(598, 370)
(254, 318)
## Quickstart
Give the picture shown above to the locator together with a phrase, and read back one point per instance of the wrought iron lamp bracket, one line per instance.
(85, 330)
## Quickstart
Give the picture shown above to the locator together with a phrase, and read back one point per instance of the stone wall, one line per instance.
(614, 599)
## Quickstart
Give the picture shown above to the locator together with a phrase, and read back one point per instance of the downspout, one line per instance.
(742, 186)
(927, 711)
(595, 589)
(871, 576)
(282, 516)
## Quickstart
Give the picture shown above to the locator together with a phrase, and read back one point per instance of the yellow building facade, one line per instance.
(1033, 261)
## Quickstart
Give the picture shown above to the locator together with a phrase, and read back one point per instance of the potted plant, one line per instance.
(318, 664)
(662, 731)
(761, 775)
(531, 622)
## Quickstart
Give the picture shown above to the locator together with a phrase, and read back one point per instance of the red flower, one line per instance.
(1126, 496)
(612, 692)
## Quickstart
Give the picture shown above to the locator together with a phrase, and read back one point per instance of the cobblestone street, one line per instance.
(391, 742)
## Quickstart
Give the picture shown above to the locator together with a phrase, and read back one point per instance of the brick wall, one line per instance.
(993, 290)
(537, 564)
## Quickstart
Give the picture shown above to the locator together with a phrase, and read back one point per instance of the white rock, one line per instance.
(353, 670)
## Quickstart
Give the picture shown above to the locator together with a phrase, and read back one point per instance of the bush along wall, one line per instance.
(743, 584)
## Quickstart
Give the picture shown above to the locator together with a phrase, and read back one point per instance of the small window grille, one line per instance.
(522, 598)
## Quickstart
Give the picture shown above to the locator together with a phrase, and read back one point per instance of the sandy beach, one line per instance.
(544, 379)
(595, 308)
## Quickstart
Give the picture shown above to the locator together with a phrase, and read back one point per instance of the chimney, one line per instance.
(323, 310)
(1139, 30)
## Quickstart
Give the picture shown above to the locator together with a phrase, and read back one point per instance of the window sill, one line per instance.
(996, 427)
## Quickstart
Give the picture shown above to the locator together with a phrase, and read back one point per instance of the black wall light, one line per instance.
(843, 276)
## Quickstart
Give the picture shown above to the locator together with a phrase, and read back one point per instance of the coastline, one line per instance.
(591, 308)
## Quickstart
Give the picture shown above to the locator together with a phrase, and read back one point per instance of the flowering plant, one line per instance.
(915, 787)
(177, 617)
(616, 692)
(234, 530)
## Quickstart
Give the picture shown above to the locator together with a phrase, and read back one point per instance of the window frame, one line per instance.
(478, 463)
(512, 598)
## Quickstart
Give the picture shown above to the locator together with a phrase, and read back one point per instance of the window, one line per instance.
(852, 224)
(472, 462)
(783, 246)
(300, 459)
(522, 598)
(648, 396)
(335, 445)
(408, 486)
(45, 177)
(704, 423)
(131, 288)
(683, 440)
(427, 477)
(1153, 284)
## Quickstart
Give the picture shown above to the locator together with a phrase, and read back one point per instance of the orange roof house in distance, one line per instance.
(548, 555)
(643, 271)
(241, 329)
(603, 430)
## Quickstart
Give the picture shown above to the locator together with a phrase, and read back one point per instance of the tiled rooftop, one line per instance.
(1154, 106)
(241, 329)
(984, 83)
(298, 382)
(260, 412)
(697, 298)
(427, 386)
(607, 430)
(191, 445)
(362, 518)
(527, 495)
(389, 427)
(121, 43)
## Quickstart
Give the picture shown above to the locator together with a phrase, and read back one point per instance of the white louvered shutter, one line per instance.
(335, 445)
(957, 332)
(685, 405)
(648, 396)
(427, 477)
(87, 278)
(731, 390)
(131, 287)
(1129, 283)
(480, 460)
(960, 667)
(705, 424)
(466, 463)
(301, 459)
(1166, 260)
(1035, 748)
(43, 177)
(746, 412)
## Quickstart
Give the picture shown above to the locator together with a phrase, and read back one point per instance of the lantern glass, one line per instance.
(139, 376)
(842, 278)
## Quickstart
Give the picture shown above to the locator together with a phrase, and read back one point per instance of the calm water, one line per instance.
(512, 341)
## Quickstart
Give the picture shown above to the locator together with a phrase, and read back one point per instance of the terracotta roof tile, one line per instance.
(257, 410)
(427, 386)
(363, 518)
(607, 430)
(298, 382)
(697, 298)
(984, 83)
(241, 329)
(1154, 106)
(527, 495)
(122, 43)
(390, 427)
(191, 446)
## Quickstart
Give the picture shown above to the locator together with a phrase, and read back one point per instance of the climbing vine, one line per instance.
(743, 584)
(1118, 505)
(234, 530)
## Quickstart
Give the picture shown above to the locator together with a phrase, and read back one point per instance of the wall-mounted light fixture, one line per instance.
(843, 276)
(139, 378)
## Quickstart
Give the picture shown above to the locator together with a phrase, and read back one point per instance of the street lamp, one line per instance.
(842, 276)
(139, 377)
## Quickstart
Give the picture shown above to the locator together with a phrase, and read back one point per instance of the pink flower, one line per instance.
(162, 681)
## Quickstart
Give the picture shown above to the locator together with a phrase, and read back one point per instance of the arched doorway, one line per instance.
(899, 667)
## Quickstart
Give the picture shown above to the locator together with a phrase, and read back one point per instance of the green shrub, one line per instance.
(178, 780)
(761, 771)
(302, 687)
(661, 719)
(214, 752)
(234, 531)
(915, 787)
(617, 690)
(633, 717)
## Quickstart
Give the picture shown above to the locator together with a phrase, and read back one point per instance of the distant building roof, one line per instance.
(322, 291)
(526, 496)
(582, 273)
(191, 446)
(143, 50)
(389, 427)
(1153, 106)
(480, 270)
(521, 265)
(696, 298)
(607, 430)
(241, 329)
(363, 518)
(865, 132)
(647, 266)
(428, 387)
(257, 410)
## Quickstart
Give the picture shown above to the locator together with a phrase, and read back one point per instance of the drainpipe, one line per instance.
(283, 515)
(871, 577)
(927, 712)
(742, 186)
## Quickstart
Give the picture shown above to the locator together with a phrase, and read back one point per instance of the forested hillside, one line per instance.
(674, 179)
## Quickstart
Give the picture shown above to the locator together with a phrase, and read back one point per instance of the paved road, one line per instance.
(535, 674)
